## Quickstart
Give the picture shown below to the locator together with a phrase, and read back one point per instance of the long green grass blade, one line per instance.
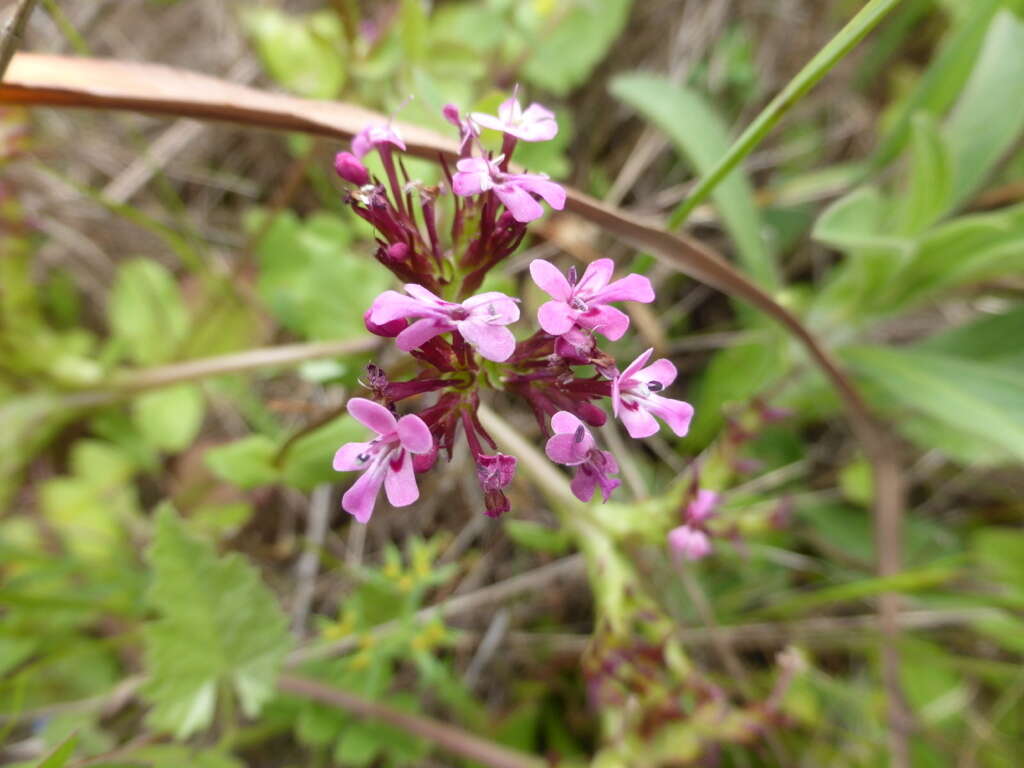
(847, 39)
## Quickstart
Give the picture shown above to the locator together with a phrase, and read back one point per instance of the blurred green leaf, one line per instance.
(991, 338)
(170, 418)
(930, 186)
(565, 54)
(987, 121)
(307, 462)
(59, 757)
(976, 399)
(247, 463)
(146, 312)
(306, 54)
(859, 220)
(219, 625)
(533, 535)
(1000, 553)
(703, 139)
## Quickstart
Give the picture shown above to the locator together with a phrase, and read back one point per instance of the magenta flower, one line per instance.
(386, 460)
(535, 123)
(494, 474)
(584, 302)
(373, 137)
(515, 190)
(636, 402)
(702, 507)
(574, 446)
(689, 543)
(480, 320)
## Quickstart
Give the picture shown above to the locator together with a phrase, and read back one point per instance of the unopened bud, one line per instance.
(349, 167)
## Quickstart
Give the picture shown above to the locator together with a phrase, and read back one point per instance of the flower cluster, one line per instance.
(460, 335)
(690, 541)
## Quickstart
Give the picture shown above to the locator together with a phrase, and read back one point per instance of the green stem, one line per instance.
(847, 39)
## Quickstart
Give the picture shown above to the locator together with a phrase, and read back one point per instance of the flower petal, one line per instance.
(424, 296)
(553, 194)
(702, 507)
(422, 331)
(689, 543)
(360, 499)
(371, 414)
(537, 123)
(346, 459)
(629, 288)
(494, 342)
(400, 481)
(661, 371)
(608, 321)
(550, 279)
(584, 483)
(414, 434)
(391, 306)
(487, 121)
(556, 317)
(595, 278)
(635, 366)
(676, 413)
(565, 423)
(638, 422)
(519, 202)
(494, 307)
(566, 449)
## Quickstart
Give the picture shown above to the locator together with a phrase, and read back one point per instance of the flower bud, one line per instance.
(689, 543)
(388, 330)
(349, 167)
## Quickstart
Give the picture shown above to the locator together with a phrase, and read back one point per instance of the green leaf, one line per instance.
(702, 138)
(218, 627)
(59, 757)
(564, 57)
(979, 400)
(857, 221)
(247, 463)
(306, 54)
(1000, 553)
(308, 460)
(930, 187)
(170, 418)
(146, 312)
(314, 284)
(987, 119)
(539, 537)
(991, 338)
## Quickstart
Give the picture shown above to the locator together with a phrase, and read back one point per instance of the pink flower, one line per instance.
(480, 320)
(574, 446)
(702, 507)
(495, 473)
(386, 460)
(584, 303)
(515, 190)
(689, 543)
(535, 123)
(467, 129)
(374, 136)
(636, 402)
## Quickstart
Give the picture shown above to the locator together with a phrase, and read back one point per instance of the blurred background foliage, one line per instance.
(168, 542)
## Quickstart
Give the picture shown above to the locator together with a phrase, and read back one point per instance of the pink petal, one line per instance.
(370, 414)
(488, 121)
(661, 371)
(689, 543)
(702, 507)
(420, 332)
(638, 422)
(538, 124)
(346, 459)
(391, 306)
(494, 342)
(556, 318)
(676, 413)
(550, 279)
(494, 307)
(424, 296)
(608, 321)
(584, 483)
(565, 423)
(564, 449)
(553, 194)
(595, 278)
(400, 481)
(359, 500)
(629, 288)
(414, 434)
(636, 365)
(519, 202)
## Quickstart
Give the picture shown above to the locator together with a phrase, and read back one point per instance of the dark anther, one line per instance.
(654, 386)
(573, 277)
(580, 432)
(363, 457)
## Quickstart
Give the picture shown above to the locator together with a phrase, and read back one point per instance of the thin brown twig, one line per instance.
(446, 736)
(13, 32)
